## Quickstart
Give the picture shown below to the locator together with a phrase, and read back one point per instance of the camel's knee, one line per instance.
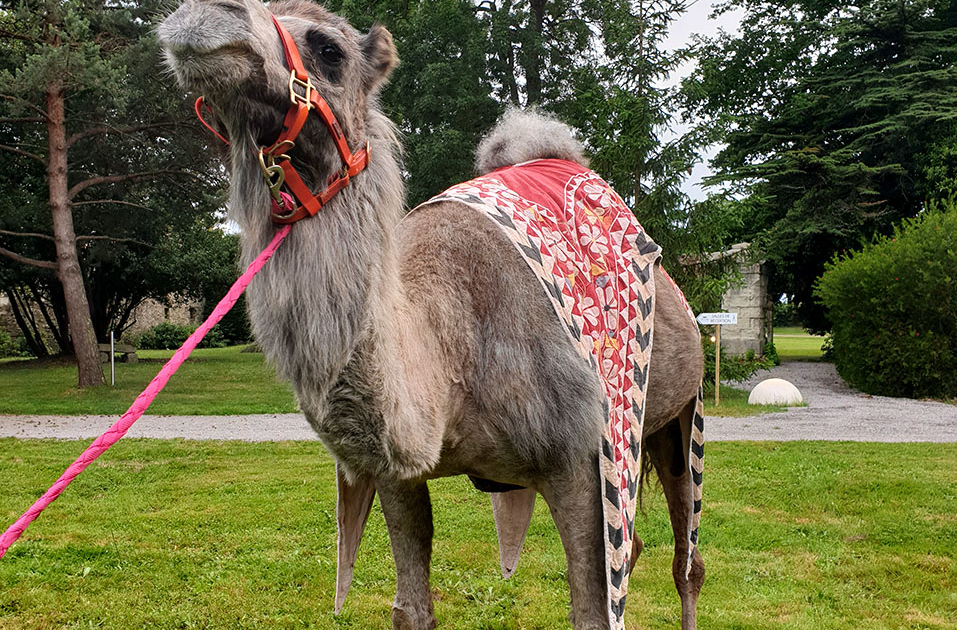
(689, 581)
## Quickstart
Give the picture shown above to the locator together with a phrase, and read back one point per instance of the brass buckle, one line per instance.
(305, 85)
(271, 171)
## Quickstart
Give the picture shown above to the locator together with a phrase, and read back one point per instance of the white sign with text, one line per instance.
(717, 318)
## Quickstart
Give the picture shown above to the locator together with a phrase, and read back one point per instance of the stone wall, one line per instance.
(750, 301)
(151, 312)
(146, 316)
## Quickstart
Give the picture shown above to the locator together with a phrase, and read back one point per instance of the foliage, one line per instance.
(10, 347)
(440, 96)
(144, 220)
(734, 368)
(837, 120)
(893, 309)
(600, 66)
(771, 353)
(168, 336)
(179, 534)
(784, 314)
(234, 327)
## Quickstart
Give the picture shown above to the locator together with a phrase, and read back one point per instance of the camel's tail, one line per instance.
(521, 136)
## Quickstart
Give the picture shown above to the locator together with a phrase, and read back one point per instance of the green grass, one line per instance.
(218, 381)
(173, 534)
(221, 381)
(794, 344)
(733, 403)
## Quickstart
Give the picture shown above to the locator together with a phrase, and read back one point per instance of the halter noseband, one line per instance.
(276, 165)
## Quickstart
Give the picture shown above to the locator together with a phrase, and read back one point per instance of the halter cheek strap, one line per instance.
(291, 198)
(276, 164)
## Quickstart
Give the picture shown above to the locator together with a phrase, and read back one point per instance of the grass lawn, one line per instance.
(219, 381)
(215, 381)
(794, 344)
(174, 534)
(734, 404)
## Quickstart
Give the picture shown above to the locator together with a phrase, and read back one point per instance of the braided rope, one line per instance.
(144, 400)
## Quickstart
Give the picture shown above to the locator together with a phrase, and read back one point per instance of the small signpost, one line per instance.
(717, 319)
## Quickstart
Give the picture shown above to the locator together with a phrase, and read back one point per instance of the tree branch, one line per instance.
(114, 239)
(113, 179)
(39, 110)
(105, 129)
(43, 264)
(5, 34)
(32, 156)
(33, 234)
(93, 202)
(19, 120)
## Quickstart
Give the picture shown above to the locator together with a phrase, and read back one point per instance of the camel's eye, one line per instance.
(331, 53)
(327, 54)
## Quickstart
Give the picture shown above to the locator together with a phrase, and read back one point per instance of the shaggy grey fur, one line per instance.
(521, 136)
(420, 348)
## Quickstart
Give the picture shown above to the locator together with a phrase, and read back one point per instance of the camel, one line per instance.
(422, 347)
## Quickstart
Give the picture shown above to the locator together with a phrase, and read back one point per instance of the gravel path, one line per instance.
(834, 412)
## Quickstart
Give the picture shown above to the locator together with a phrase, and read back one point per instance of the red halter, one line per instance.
(275, 163)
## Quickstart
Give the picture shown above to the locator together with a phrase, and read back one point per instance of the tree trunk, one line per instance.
(90, 372)
(27, 324)
(533, 68)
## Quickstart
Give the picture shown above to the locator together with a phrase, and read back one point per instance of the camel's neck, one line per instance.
(330, 312)
(317, 298)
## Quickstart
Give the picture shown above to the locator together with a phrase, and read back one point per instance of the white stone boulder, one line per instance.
(775, 391)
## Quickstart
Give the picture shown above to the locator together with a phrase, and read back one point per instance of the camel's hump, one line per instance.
(521, 136)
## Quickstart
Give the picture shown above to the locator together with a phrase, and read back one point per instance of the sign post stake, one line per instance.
(717, 364)
(716, 319)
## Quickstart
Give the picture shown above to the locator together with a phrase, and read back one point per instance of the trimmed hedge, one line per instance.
(893, 307)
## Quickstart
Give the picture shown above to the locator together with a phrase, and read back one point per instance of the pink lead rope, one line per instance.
(144, 400)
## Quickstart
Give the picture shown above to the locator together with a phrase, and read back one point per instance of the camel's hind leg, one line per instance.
(669, 449)
(408, 515)
(575, 504)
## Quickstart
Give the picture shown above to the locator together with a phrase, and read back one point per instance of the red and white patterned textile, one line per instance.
(595, 263)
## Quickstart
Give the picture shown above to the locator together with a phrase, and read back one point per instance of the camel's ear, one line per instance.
(380, 55)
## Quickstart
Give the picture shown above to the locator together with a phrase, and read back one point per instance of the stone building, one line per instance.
(750, 300)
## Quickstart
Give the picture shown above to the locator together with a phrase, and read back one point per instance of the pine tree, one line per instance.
(838, 120)
(93, 132)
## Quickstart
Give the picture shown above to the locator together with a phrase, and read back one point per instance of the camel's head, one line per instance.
(230, 51)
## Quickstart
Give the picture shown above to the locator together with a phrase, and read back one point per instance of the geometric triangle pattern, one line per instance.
(696, 454)
(595, 264)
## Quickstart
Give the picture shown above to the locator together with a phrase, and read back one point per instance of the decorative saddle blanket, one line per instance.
(596, 264)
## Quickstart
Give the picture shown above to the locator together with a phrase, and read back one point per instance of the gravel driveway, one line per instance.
(834, 412)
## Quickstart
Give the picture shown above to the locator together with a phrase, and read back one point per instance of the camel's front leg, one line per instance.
(575, 503)
(408, 515)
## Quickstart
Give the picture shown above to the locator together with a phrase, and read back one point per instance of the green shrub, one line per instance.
(893, 309)
(785, 314)
(10, 347)
(734, 368)
(771, 353)
(167, 336)
(235, 327)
